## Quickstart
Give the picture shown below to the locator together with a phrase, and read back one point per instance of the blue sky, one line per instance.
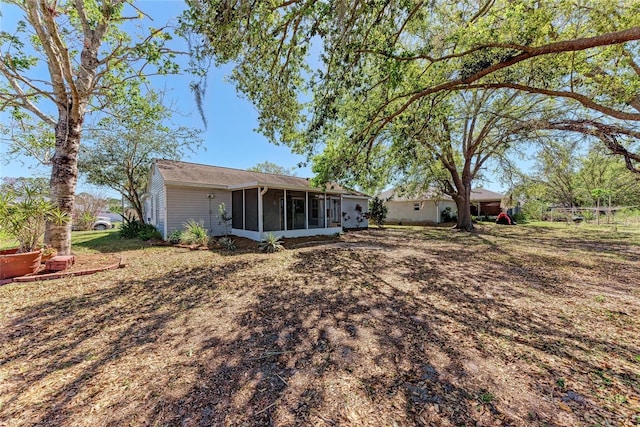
(229, 140)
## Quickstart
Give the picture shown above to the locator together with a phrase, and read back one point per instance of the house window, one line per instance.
(416, 206)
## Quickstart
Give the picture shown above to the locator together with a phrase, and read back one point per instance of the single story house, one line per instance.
(485, 202)
(257, 202)
(426, 207)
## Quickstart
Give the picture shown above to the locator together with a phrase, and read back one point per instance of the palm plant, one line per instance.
(227, 244)
(25, 218)
(271, 243)
(194, 233)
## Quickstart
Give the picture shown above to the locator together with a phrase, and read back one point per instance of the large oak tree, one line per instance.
(338, 76)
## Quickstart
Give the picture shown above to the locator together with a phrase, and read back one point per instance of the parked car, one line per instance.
(102, 223)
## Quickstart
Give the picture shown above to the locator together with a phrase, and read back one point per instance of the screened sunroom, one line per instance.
(287, 213)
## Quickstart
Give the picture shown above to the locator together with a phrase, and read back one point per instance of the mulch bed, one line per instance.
(244, 245)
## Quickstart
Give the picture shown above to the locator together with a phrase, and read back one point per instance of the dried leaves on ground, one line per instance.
(505, 326)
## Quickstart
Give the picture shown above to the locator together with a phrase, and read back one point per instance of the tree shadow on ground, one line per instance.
(307, 352)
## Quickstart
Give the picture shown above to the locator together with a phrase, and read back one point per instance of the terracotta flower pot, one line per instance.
(13, 264)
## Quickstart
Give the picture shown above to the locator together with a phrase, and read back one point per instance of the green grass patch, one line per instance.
(103, 241)
(90, 242)
(7, 242)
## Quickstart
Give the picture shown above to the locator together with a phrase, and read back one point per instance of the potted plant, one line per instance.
(23, 218)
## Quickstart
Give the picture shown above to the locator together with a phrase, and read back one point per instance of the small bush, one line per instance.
(174, 237)
(85, 221)
(447, 215)
(271, 243)
(194, 233)
(377, 211)
(149, 232)
(519, 218)
(131, 227)
(227, 244)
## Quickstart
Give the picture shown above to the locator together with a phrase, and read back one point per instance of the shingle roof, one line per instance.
(484, 195)
(178, 172)
(477, 195)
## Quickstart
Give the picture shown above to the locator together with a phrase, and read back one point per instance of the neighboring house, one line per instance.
(257, 202)
(426, 207)
(485, 202)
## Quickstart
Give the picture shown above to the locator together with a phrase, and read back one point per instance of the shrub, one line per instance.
(131, 227)
(174, 237)
(447, 215)
(271, 243)
(519, 218)
(85, 221)
(378, 211)
(227, 244)
(149, 232)
(194, 233)
(535, 210)
(628, 216)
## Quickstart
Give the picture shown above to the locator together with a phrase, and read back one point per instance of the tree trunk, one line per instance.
(136, 202)
(137, 206)
(64, 178)
(463, 204)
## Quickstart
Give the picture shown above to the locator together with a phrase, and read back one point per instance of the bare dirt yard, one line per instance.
(505, 326)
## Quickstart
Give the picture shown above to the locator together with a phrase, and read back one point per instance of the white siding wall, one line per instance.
(155, 211)
(349, 207)
(185, 203)
(404, 211)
